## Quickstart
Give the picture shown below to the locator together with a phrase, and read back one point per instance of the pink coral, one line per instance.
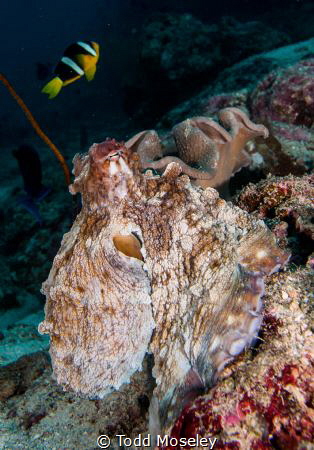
(286, 95)
(265, 399)
(212, 105)
(287, 204)
(290, 199)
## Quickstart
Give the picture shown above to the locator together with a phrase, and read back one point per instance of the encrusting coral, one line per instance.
(206, 151)
(286, 95)
(289, 198)
(153, 264)
(264, 399)
(287, 203)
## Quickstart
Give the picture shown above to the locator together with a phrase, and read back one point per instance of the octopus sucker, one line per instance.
(154, 263)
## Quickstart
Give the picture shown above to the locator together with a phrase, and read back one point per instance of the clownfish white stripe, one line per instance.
(87, 47)
(69, 62)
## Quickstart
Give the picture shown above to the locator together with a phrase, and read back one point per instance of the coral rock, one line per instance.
(286, 95)
(16, 377)
(265, 399)
(287, 203)
(153, 263)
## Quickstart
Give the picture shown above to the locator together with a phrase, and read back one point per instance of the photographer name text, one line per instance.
(161, 440)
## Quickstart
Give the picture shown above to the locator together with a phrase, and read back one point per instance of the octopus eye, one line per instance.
(113, 155)
(129, 245)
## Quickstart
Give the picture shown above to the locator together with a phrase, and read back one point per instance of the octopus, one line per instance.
(155, 263)
(205, 151)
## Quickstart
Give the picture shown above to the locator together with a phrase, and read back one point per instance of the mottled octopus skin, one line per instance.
(153, 264)
(205, 151)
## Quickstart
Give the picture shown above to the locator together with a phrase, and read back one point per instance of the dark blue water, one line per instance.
(38, 32)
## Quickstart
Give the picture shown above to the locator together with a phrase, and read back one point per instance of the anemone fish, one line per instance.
(78, 59)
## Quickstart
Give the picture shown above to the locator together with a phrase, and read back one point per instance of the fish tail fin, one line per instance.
(53, 87)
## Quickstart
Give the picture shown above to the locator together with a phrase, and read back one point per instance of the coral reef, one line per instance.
(287, 204)
(168, 39)
(26, 248)
(233, 85)
(206, 151)
(181, 46)
(178, 53)
(16, 377)
(264, 399)
(74, 422)
(286, 95)
(283, 101)
(153, 263)
(36, 413)
(249, 71)
(210, 106)
(185, 246)
(239, 40)
(21, 337)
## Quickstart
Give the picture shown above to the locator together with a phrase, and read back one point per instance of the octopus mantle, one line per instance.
(153, 264)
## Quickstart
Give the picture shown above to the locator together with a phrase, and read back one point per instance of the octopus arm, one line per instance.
(98, 311)
(205, 150)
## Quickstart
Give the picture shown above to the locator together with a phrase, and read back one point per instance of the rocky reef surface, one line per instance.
(178, 53)
(241, 78)
(264, 399)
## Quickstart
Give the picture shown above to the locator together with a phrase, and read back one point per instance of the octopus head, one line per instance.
(110, 157)
(105, 173)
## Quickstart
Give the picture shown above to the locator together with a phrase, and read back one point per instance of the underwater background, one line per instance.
(160, 62)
